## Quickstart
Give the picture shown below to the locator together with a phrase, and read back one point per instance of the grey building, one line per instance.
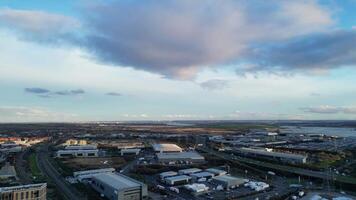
(189, 157)
(115, 186)
(228, 181)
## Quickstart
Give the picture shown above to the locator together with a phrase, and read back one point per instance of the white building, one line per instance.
(216, 172)
(116, 186)
(166, 148)
(189, 171)
(88, 174)
(177, 180)
(167, 174)
(196, 188)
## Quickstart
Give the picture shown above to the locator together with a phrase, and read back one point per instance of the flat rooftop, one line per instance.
(181, 155)
(228, 178)
(202, 174)
(117, 181)
(23, 187)
(178, 178)
(166, 147)
(273, 154)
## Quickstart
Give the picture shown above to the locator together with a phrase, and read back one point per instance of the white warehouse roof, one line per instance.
(116, 180)
(166, 148)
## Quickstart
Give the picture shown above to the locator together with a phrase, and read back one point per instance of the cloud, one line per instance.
(37, 90)
(174, 38)
(214, 84)
(45, 93)
(38, 25)
(315, 53)
(32, 114)
(179, 38)
(69, 92)
(326, 109)
(315, 94)
(114, 94)
(241, 115)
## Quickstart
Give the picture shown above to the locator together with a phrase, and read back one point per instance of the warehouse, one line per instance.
(81, 147)
(202, 175)
(166, 148)
(129, 151)
(177, 180)
(216, 172)
(263, 153)
(189, 171)
(197, 189)
(77, 153)
(88, 174)
(228, 181)
(116, 186)
(167, 174)
(190, 157)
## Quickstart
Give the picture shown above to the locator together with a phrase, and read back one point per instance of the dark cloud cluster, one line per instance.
(315, 53)
(114, 94)
(45, 93)
(214, 84)
(37, 90)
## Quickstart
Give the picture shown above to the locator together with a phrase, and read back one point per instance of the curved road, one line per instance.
(67, 191)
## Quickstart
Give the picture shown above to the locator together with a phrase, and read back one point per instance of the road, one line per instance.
(289, 169)
(67, 191)
(20, 166)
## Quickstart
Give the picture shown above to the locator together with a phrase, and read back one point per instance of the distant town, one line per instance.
(179, 160)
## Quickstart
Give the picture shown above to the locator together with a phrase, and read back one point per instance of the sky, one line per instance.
(122, 60)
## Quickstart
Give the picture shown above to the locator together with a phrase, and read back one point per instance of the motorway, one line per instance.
(284, 168)
(63, 187)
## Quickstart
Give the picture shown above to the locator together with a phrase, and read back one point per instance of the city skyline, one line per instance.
(177, 60)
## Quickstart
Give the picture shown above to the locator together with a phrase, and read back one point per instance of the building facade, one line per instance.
(24, 192)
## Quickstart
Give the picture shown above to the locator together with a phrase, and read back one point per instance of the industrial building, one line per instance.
(216, 172)
(81, 147)
(129, 151)
(116, 186)
(269, 154)
(202, 175)
(177, 180)
(189, 171)
(228, 181)
(88, 174)
(166, 148)
(167, 174)
(196, 188)
(189, 157)
(77, 153)
(28, 192)
(8, 172)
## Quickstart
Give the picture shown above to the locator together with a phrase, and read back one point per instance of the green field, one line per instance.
(35, 171)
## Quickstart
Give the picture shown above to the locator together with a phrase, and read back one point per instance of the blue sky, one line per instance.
(177, 60)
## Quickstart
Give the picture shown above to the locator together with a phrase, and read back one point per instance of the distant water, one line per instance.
(330, 131)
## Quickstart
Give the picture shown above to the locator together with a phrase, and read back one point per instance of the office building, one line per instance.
(24, 192)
